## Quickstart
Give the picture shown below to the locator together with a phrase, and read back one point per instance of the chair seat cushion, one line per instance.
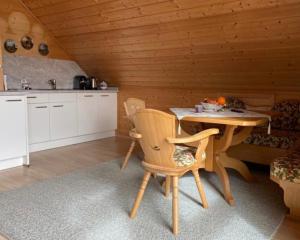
(184, 156)
(287, 168)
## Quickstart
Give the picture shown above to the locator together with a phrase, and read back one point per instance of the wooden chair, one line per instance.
(156, 132)
(131, 105)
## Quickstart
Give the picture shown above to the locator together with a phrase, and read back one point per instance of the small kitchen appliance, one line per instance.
(103, 85)
(93, 83)
(81, 82)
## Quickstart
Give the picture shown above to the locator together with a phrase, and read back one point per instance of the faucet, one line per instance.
(25, 84)
(52, 83)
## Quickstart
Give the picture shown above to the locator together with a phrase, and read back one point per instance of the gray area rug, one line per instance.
(94, 203)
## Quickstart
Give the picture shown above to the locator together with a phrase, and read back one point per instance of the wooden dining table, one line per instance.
(217, 159)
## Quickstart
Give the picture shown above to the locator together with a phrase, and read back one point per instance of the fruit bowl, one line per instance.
(211, 107)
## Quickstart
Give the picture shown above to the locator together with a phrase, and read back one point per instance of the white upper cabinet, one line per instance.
(63, 120)
(38, 123)
(13, 127)
(107, 112)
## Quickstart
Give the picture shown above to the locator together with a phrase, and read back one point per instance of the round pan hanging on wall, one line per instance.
(43, 49)
(27, 42)
(10, 46)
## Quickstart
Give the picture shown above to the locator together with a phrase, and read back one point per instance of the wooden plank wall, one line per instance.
(165, 98)
(173, 47)
(17, 21)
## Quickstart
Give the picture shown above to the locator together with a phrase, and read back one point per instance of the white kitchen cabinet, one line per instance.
(107, 112)
(88, 113)
(62, 97)
(13, 127)
(38, 123)
(60, 119)
(63, 120)
(37, 98)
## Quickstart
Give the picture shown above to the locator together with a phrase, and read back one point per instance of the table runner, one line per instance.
(190, 112)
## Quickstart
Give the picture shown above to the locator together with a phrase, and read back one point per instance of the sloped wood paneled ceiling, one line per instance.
(203, 43)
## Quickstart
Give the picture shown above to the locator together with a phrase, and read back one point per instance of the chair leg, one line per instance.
(140, 194)
(175, 205)
(125, 162)
(200, 188)
(167, 186)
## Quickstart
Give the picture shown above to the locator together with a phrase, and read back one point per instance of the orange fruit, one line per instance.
(221, 100)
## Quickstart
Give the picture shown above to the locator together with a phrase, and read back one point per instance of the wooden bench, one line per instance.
(285, 134)
(286, 172)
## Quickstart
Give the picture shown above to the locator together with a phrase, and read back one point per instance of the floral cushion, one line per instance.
(277, 139)
(287, 167)
(184, 156)
(290, 115)
(270, 141)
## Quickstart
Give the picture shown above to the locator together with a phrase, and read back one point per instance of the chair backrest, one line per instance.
(155, 126)
(132, 105)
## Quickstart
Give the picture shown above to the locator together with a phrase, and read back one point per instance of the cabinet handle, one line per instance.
(32, 97)
(41, 107)
(57, 106)
(14, 100)
(88, 95)
(104, 95)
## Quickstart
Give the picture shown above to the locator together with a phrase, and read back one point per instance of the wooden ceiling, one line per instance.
(203, 43)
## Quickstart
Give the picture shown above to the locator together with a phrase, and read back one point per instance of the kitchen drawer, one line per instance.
(87, 96)
(38, 98)
(62, 97)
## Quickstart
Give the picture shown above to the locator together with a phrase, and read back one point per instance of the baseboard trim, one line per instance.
(69, 141)
(12, 162)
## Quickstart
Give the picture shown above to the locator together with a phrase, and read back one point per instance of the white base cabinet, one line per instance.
(88, 113)
(70, 118)
(13, 131)
(107, 106)
(97, 113)
(63, 122)
(38, 123)
(48, 120)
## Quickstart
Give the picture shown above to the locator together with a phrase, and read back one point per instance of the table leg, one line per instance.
(238, 165)
(221, 160)
(218, 146)
(222, 174)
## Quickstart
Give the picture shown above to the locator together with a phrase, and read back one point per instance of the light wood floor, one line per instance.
(51, 163)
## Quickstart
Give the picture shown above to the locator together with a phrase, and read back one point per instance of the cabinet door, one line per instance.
(108, 112)
(38, 123)
(88, 113)
(13, 127)
(63, 122)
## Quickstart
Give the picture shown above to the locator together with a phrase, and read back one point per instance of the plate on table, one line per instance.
(211, 107)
